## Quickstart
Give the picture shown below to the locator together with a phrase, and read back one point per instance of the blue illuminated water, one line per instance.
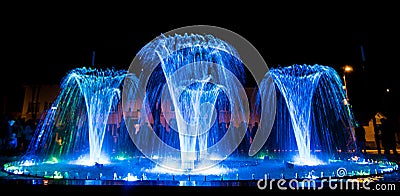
(188, 80)
(311, 113)
(75, 125)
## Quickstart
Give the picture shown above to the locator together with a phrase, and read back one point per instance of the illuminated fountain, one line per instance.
(179, 115)
(198, 76)
(312, 115)
(74, 128)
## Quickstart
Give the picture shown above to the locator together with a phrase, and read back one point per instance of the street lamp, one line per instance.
(346, 69)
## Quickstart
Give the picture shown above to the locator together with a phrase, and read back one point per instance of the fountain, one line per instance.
(197, 87)
(313, 112)
(75, 125)
(178, 116)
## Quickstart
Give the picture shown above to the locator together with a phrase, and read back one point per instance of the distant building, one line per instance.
(38, 99)
(369, 134)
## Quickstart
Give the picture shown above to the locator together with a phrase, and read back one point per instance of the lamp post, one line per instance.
(346, 69)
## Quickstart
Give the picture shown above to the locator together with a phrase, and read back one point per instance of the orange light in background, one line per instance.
(348, 68)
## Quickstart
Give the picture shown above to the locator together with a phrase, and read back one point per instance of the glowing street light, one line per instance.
(347, 69)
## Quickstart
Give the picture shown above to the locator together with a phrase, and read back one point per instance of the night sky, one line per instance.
(40, 47)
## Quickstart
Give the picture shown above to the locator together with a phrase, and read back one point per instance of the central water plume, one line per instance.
(188, 80)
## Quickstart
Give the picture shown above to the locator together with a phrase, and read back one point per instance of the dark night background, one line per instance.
(40, 45)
